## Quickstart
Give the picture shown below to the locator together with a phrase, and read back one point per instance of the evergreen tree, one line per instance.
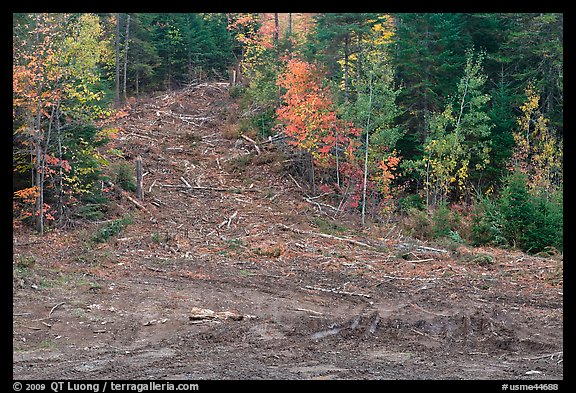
(430, 51)
(338, 38)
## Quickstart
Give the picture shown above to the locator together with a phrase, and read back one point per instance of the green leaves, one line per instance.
(458, 144)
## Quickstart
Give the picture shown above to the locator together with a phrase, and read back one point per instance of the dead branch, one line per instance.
(294, 180)
(54, 308)
(232, 190)
(337, 291)
(251, 141)
(389, 232)
(431, 249)
(274, 138)
(548, 355)
(421, 260)
(231, 218)
(307, 310)
(319, 204)
(228, 221)
(185, 182)
(127, 196)
(411, 278)
(155, 269)
(248, 139)
(152, 185)
(345, 239)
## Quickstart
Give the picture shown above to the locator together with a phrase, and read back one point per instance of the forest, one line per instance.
(451, 123)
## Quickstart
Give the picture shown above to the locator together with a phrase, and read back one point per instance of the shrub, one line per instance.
(111, 229)
(124, 176)
(413, 201)
(417, 223)
(516, 209)
(444, 221)
(487, 222)
(531, 222)
(547, 228)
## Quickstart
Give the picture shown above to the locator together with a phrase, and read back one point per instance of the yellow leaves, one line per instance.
(537, 151)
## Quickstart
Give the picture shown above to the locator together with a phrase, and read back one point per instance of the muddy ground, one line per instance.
(232, 271)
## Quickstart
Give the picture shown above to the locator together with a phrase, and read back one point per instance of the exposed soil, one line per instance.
(227, 230)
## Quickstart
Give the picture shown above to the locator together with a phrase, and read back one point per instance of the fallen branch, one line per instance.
(54, 308)
(249, 139)
(410, 278)
(228, 221)
(337, 291)
(152, 185)
(548, 355)
(420, 260)
(345, 239)
(233, 190)
(307, 310)
(431, 249)
(155, 269)
(274, 138)
(185, 182)
(319, 204)
(294, 180)
(127, 196)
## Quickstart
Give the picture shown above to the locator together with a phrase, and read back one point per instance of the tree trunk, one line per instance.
(346, 50)
(60, 170)
(126, 42)
(337, 161)
(38, 166)
(366, 154)
(117, 87)
(276, 30)
(40, 185)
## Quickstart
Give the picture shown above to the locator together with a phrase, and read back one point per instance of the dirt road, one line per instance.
(231, 272)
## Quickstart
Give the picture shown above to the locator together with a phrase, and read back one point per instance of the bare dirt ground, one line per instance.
(230, 273)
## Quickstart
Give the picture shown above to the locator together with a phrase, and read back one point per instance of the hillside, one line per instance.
(233, 271)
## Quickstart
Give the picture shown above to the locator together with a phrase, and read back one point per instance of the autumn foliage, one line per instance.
(308, 117)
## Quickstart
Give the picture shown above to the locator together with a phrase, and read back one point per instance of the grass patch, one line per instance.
(23, 262)
(239, 164)
(480, 259)
(235, 244)
(328, 227)
(159, 238)
(47, 344)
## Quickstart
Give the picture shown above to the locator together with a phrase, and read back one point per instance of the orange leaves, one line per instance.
(27, 195)
(25, 202)
(309, 115)
(51, 160)
(387, 166)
